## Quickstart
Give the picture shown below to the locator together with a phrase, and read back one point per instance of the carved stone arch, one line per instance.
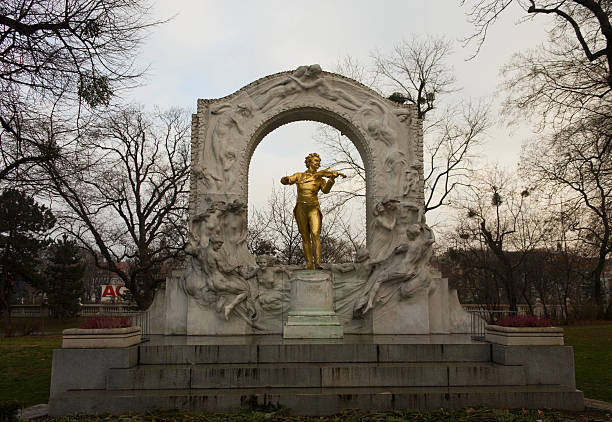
(310, 113)
(226, 131)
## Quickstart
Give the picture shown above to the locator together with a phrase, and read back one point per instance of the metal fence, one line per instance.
(29, 311)
(480, 318)
(554, 311)
(138, 318)
(104, 309)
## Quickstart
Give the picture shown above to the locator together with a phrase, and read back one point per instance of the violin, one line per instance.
(329, 173)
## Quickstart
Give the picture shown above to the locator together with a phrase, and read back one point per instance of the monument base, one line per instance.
(312, 377)
(312, 313)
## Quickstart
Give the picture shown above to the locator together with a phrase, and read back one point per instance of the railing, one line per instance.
(104, 308)
(29, 311)
(139, 318)
(555, 311)
(481, 317)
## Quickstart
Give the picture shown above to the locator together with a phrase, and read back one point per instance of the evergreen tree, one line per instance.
(63, 278)
(24, 225)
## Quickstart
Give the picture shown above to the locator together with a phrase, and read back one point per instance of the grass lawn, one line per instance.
(46, 326)
(593, 359)
(25, 362)
(25, 368)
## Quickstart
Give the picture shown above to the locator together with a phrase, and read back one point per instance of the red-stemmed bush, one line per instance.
(101, 321)
(524, 321)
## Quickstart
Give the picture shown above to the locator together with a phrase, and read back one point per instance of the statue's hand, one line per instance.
(285, 180)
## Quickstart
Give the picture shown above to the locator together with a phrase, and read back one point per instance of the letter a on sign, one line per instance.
(108, 291)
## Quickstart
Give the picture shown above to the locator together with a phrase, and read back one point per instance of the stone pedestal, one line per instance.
(311, 313)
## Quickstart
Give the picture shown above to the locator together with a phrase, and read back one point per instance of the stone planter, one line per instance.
(100, 338)
(524, 336)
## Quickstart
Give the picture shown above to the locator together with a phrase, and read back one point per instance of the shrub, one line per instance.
(101, 321)
(524, 321)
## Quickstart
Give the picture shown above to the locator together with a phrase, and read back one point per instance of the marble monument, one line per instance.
(390, 287)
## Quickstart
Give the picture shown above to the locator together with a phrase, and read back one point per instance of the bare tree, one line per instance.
(449, 148)
(471, 267)
(576, 163)
(283, 227)
(345, 158)
(418, 69)
(566, 76)
(123, 194)
(567, 81)
(417, 72)
(68, 52)
(587, 20)
(273, 231)
(259, 240)
(504, 218)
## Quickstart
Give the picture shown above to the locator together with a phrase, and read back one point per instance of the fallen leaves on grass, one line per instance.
(280, 415)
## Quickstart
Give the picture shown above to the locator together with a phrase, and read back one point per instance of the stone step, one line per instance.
(315, 375)
(316, 401)
(306, 352)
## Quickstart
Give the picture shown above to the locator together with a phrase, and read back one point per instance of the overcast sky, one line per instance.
(210, 49)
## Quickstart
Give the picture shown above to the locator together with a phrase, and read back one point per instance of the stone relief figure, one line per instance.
(403, 115)
(227, 281)
(381, 124)
(375, 118)
(349, 281)
(270, 296)
(215, 163)
(393, 166)
(203, 227)
(235, 235)
(411, 180)
(384, 235)
(220, 273)
(418, 251)
(307, 211)
(302, 79)
(405, 271)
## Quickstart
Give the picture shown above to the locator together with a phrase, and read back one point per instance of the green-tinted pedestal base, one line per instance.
(311, 313)
(313, 326)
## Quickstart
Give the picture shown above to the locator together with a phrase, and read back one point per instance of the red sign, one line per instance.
(110, 290)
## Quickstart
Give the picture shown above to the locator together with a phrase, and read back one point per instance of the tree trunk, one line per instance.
(5, 305)
(597, 290)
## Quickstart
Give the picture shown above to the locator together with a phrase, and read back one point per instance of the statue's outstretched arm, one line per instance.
(290, 180)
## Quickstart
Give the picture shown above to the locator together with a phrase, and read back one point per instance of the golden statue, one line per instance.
(307, 211)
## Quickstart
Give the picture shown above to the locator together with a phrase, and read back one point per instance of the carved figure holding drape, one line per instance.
(216, 162)
(302, 79)
(270, 296)
(411, 180)
(393, 166)
(384, 235)
(406, 270)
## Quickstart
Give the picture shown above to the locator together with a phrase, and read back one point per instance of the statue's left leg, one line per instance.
(314, 218)
(301, 217)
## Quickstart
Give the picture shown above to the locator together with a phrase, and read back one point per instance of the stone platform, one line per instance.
(314, 377)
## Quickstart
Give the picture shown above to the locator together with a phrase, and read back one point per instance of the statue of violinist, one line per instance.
(307, 211)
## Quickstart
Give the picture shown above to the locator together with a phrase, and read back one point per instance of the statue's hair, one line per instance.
(310, 157)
